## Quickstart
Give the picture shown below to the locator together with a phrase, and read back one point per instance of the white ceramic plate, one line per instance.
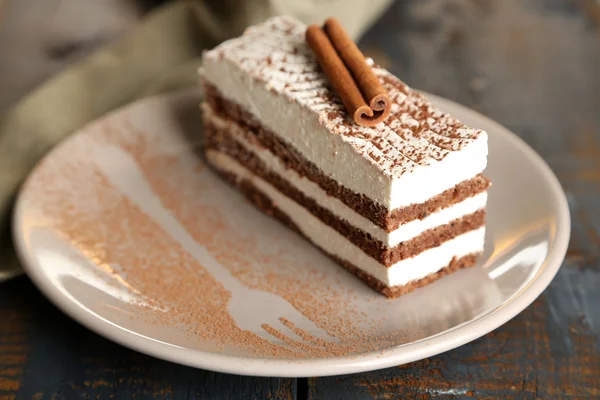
(125, 230)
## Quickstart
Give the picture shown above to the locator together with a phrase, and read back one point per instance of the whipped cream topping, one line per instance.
(417, 153)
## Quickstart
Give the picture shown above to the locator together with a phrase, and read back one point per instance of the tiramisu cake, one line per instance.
(399, 201)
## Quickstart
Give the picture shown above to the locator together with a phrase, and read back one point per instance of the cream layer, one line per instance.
(338, 208)
(400, 273)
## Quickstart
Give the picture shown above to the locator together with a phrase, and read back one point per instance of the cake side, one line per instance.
(409, 239)
(218, 107)
(401, 273)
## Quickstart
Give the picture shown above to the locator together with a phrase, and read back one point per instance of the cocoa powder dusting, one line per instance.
(172, 289)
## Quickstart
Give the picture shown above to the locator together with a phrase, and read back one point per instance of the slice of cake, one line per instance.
(399, 204)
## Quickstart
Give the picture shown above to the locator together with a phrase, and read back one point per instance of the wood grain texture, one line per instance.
(534, 66)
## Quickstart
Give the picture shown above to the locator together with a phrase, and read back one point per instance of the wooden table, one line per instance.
(533, 66)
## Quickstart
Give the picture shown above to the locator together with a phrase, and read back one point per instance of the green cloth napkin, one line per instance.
(161, 54)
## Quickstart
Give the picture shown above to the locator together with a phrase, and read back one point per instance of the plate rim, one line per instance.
(296, 368)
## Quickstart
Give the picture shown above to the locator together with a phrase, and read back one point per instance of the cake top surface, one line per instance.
(415, 134)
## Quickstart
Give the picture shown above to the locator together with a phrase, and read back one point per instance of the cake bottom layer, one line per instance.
(393, 281)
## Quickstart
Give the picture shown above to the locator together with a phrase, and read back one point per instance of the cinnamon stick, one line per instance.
(362, 73)
(352, 78)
